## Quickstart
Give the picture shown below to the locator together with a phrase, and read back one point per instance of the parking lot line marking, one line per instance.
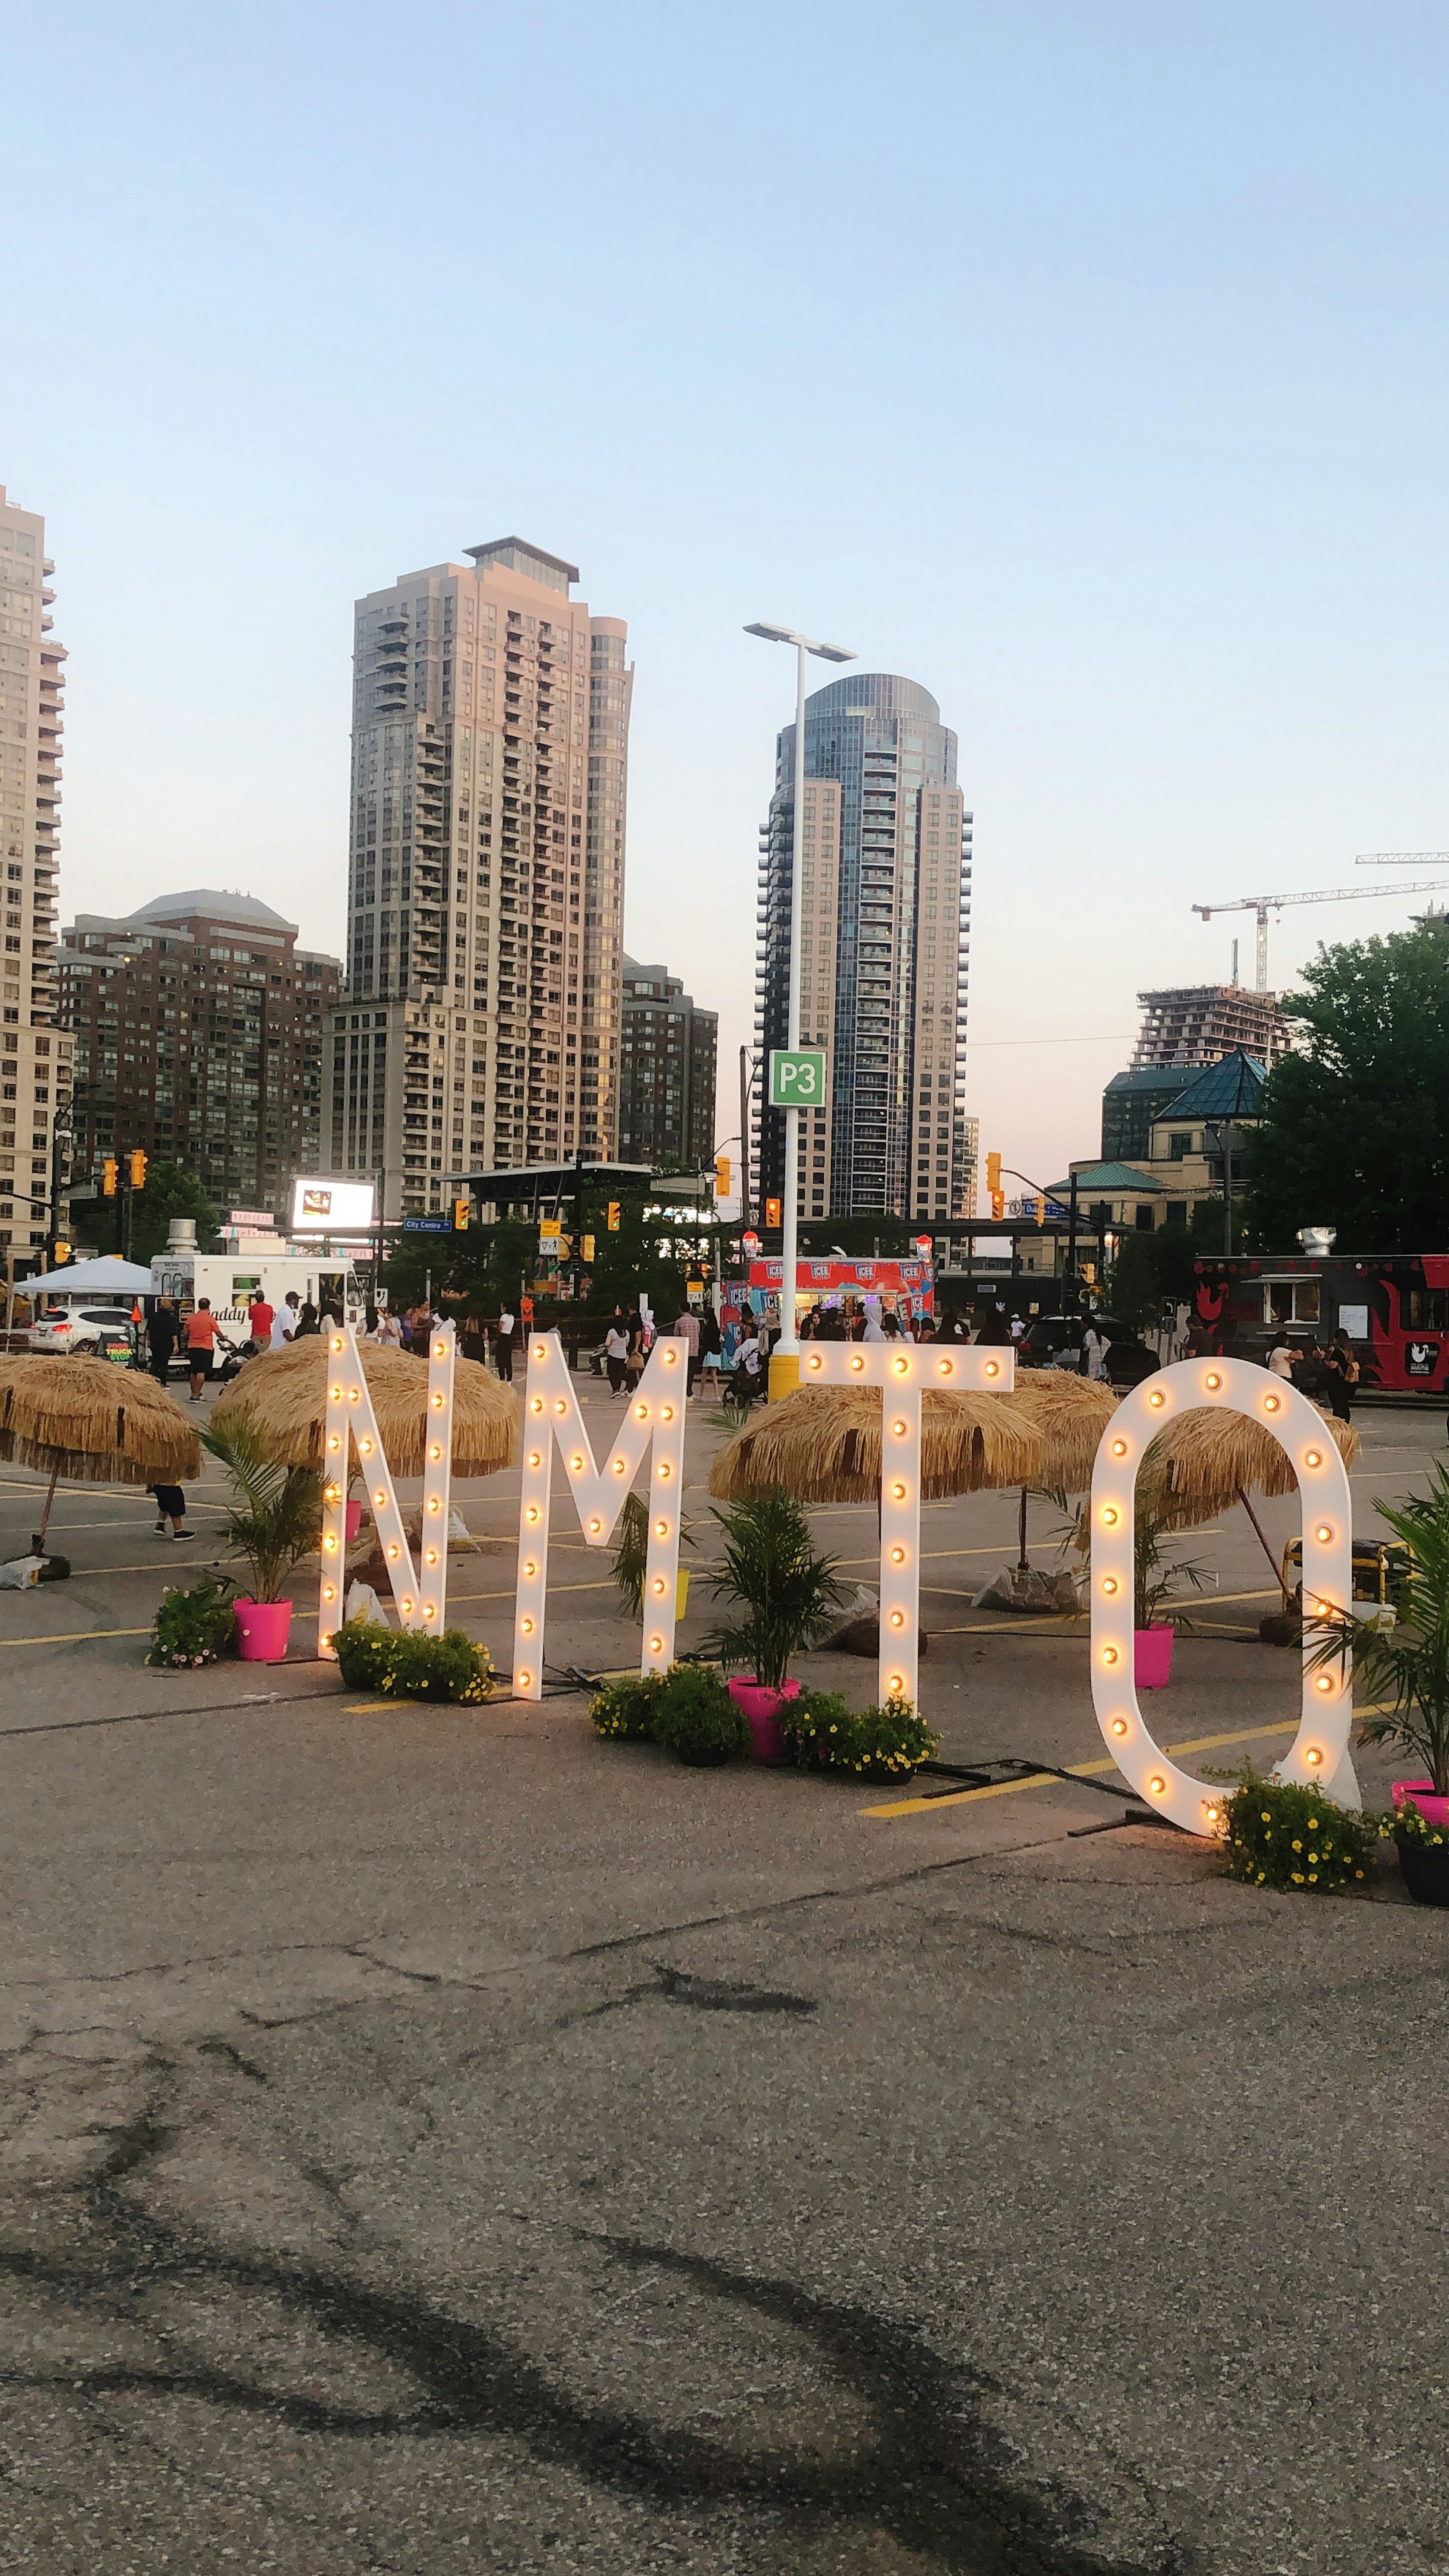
(75, 1636)
(1075, 1771)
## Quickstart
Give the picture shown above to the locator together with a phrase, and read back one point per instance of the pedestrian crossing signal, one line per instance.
(109, 1169)
(138, 1170)
(614, 1212)
(460, 1216)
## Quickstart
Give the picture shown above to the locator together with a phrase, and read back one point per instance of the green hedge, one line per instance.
(402, 1663)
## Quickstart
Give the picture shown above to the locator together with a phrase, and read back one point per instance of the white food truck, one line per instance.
(231, 1280)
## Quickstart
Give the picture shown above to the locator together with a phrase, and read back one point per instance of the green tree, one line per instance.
(170, 1191)
(1355, 1129)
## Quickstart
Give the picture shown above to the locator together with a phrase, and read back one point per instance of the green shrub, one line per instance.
(624, 1710)
(694, 1714)
(449, 1667)
(405, 1664)
(193, 1627)
(364, 1650)
(1283, 1835)
(881, 1743)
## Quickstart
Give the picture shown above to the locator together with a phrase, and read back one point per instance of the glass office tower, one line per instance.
(885, 914)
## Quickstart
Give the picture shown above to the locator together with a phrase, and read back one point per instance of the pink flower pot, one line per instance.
(761, 1705)
(1435, 1811)
(262, 1630)
(353, 1518)
(1152, 1658)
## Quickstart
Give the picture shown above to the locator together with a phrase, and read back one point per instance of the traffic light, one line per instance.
(586, 1247)
(460, 1216)
(138, 1169)
(993, 1177)
(998, 1204)
(108, 1176)
(721, 1176)
(614, 1215)
(62, 1254)
(1041, 1211)
(774, 1211)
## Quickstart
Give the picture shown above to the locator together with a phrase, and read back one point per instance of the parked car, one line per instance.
(68, 1329)
(1129, 1358)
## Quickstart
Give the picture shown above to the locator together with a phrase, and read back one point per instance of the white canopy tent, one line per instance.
(109, 1276)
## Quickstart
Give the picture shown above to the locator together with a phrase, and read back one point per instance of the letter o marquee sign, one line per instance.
(1319, 1753)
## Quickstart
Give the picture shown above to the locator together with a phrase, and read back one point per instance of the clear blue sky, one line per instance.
(1085, 364)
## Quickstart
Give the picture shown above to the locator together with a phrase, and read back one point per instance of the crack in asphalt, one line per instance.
(936, 2476)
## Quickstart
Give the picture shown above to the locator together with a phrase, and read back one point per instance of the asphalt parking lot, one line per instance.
(434, 2138)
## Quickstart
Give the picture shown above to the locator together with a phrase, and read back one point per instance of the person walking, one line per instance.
(170, 1506)
(162, 1334)
(201, 1335)
(638, 1348)
(1342, 1369)
(503, 1343)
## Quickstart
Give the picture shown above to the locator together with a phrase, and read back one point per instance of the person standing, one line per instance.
(1281, 1358)
(284, 1322)
(201, 1331)
(1094, 1350)
(616, 1354)
(389, 1331)
(162, 1334)
(749, 1376)
(260, 1319)
(687, 1330)
(1342, 1369)
(308, 1322)
(503, 1342)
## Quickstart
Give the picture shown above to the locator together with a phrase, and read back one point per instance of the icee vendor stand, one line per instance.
(904, 1288)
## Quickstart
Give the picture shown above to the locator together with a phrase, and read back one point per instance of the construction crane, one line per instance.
(1263, 904)
(1402, 859)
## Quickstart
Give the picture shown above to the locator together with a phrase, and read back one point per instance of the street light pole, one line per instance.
(787, 1348)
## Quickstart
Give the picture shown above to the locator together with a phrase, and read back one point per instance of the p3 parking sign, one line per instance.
(797, 1077)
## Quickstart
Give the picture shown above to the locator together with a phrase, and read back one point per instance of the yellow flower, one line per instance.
(1298, 1846)
(1298, 1878)
(1313, 1824)
(1267, 1819)
(1313, 1878)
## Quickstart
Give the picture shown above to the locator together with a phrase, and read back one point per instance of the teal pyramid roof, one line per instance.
(1231, 1088)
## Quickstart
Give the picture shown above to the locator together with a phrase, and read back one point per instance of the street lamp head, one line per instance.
(787, 635)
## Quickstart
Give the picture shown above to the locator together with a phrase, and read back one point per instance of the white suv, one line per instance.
(69, 1329)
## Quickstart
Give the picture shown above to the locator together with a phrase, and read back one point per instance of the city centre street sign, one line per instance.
(427, 1225)
(797, 1077)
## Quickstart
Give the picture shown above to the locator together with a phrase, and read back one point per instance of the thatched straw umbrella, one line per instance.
(823, 1445)
(286, 1393)
(1071, 1413)
(88, 1419)
(1205, 1461)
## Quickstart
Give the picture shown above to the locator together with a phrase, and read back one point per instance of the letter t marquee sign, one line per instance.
(903, 1371)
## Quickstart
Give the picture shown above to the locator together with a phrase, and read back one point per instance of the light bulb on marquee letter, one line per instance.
(901, 1377)
(1319, 1752)
(598, 1495)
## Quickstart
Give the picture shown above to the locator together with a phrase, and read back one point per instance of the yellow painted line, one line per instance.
(1075, 1771)
(74, 1636)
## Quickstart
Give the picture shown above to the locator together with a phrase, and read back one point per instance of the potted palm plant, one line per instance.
(1155, 1616)
(276, 1519)
(787, 1590)
(1405, 1668)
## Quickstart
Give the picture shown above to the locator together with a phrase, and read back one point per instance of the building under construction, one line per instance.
(1196, 1024)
